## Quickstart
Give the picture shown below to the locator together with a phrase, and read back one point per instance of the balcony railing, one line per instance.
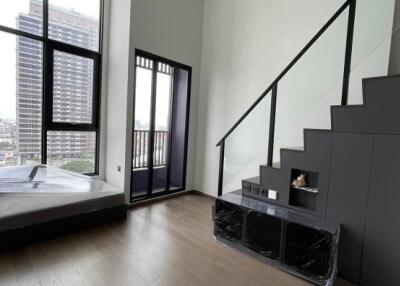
(141, 148)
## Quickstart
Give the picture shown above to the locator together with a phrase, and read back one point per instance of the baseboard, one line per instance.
(160, 198)
(204, 194)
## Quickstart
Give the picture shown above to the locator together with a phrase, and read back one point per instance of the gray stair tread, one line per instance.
(275, 165)
(299, 148)
(292, 150)
(254, 180)
(348, 107)
(317, 130)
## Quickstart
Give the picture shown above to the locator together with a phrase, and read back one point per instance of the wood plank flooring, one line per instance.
(167, 243)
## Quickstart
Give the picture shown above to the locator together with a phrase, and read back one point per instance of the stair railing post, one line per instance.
(272, 118)
(349, 50)
(221, 167)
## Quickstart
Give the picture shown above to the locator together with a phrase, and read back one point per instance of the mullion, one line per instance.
(45, 74)
(71, 49)
(97, 106)
(152, 127)
(45, 19)
(169, 143)
(21, 33)
(101, 27)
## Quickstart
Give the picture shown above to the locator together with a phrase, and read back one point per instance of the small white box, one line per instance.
(272, 195)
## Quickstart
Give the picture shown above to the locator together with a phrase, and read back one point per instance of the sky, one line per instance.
(9, 10)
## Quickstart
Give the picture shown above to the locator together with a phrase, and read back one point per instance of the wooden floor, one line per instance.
(167, 243)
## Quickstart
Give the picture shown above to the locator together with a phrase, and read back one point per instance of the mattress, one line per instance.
(35, 194)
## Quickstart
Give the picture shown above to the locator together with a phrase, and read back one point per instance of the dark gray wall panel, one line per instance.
(382, 98)
(380, 114)
(178, 127)
(394, 62)
(346, 118)
(316, 158)
(381, 259)
(348, 190)
(278, 180)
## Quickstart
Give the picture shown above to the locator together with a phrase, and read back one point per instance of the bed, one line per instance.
(42, 202)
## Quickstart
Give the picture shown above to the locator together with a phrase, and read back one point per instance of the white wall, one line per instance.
(118, 87)
(246, 44)
(173, 29)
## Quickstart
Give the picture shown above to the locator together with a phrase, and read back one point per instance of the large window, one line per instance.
(49, 78)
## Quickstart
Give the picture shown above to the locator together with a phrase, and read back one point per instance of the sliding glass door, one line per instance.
(159, 149)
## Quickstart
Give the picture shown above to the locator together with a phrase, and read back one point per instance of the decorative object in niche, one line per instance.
(300, 182)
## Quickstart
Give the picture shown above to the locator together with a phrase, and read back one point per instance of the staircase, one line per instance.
(315, 157)
(351, 171)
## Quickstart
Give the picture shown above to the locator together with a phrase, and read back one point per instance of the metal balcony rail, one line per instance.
(141, 148)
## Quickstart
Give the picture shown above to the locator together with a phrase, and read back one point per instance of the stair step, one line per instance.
(381, 90)
(379, 114)
(299, 148)
(274, 179)
(254, 180)
(275, 165)
(346, 118)
(347, 107)
(313, 138)
(251, 186)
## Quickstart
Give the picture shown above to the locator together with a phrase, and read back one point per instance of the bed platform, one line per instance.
(43, 202)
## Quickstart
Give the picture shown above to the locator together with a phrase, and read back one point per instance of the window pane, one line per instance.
(72, 88)
(75, 22)
(24, 15)
(72, 151)
(21, 100)
(142, 117)
(141, 134)
(163, 98)
(143, 98)
(162, 122)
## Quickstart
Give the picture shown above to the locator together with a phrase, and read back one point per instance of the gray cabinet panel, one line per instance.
(346, 118)
(380, 112)
(381, 259)
(350, 169)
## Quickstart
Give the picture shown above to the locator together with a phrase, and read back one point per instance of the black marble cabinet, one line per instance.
(300, 244)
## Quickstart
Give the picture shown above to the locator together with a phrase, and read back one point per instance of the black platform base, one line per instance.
(17, 238)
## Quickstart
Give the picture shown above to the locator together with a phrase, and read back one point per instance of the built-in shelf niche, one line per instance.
(304, 197)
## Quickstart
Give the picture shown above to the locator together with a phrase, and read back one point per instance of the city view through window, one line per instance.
(143, 106)
(21, 72)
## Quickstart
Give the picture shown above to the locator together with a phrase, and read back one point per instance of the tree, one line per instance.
(81, 166)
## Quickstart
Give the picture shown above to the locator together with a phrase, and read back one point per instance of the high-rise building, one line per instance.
(72, 85)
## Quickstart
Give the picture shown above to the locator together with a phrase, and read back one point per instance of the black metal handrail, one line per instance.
(141, 148)
(351, 4)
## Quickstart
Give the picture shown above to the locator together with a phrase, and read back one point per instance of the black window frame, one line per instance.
(49, 46)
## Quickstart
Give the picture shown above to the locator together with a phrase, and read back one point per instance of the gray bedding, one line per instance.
(36, 194)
